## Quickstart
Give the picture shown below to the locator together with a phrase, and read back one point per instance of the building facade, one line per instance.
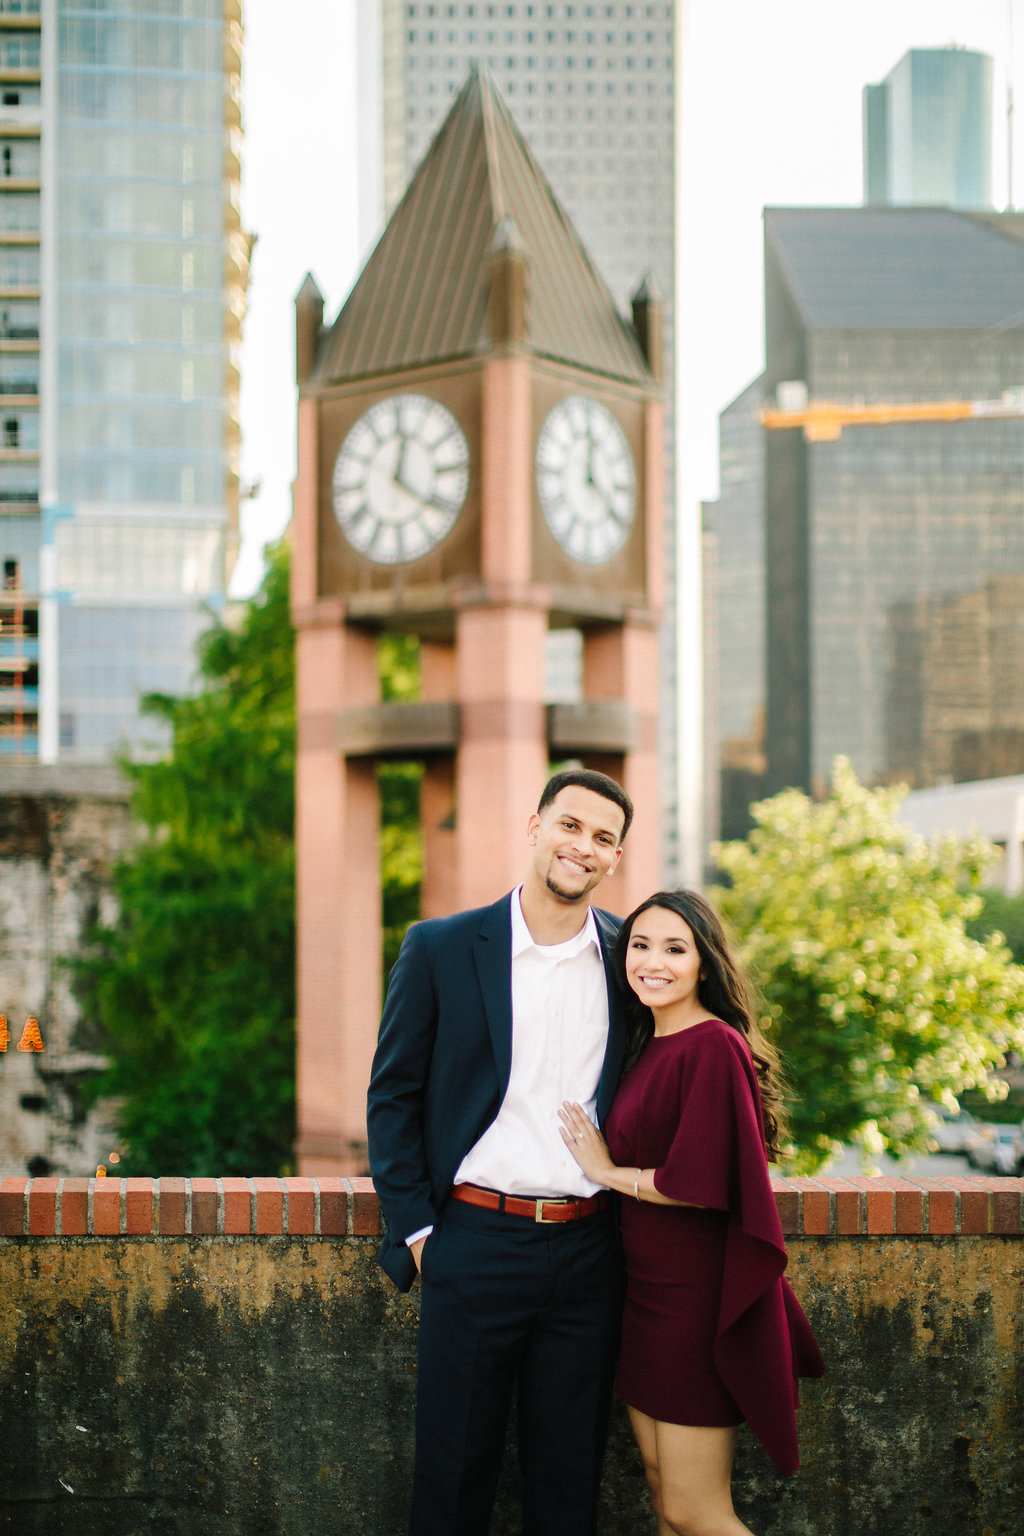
(928, 131)
(123, 271)
(894, 554)
(63, 830)
(866, 581)
(734, 606)
(593, 89)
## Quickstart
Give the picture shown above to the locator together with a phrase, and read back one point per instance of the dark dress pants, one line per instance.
(506, 1301)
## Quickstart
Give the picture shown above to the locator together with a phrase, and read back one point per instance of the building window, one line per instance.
(11, 432)
(19, 50)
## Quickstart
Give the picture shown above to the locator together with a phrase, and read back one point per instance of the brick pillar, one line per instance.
(437, 803)
(338, 903)
(621, 662)
(502, 759)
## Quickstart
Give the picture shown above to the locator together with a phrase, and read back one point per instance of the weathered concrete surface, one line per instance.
(264, 1387)
(918, 1426)
(61, 832)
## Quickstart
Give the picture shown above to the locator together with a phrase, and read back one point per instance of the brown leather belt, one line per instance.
(543, 1209)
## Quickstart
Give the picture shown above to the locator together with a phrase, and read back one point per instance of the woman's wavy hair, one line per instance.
(724, 990)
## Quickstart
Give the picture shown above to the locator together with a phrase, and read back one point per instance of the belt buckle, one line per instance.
(546, 1221)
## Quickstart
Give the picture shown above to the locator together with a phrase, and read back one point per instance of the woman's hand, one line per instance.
(590, 1150)
(586, 1143)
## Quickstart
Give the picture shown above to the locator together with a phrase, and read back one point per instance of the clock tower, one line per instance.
(480, 460)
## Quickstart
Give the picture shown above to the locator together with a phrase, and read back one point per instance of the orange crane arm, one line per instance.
(823, 420)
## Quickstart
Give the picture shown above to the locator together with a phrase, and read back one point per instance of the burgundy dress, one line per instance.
(712, 1333)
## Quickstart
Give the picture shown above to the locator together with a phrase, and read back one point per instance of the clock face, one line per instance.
(585, 480)
(400, 479)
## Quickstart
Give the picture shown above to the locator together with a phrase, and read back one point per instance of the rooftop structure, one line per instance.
(424, 293)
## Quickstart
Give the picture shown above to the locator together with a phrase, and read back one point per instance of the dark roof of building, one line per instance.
(893, 268)
(422, 296)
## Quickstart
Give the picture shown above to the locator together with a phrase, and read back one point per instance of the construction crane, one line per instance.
(823, 420)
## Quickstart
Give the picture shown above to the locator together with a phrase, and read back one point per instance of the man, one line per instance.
(493, 1019)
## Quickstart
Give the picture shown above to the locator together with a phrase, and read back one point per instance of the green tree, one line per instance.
(1001, 914)
(399, 784)
(878, 999)
(193, 984)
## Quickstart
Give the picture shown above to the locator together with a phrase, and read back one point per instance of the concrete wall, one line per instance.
(61, 832)
(224, 1356)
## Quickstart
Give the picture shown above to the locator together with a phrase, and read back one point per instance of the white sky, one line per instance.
(771, 115)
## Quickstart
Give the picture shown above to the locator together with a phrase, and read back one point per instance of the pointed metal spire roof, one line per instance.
(422, 296)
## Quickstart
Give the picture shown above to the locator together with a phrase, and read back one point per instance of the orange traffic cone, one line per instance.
(31, 1039)
(5, 1033)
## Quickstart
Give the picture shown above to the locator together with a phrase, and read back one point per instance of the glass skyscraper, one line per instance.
(124, 267)
(928, 131)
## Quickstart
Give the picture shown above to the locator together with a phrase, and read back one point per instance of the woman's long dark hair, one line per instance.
(724, 991)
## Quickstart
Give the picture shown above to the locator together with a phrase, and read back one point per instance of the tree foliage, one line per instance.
(880, 1002)
(1004, 915)
(399, 785)
(193, 985)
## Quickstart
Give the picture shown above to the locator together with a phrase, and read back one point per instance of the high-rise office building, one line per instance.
(593, 89)
(123, 270)
(867, 561)
(894, 552)
(928, 131)
(734, 606)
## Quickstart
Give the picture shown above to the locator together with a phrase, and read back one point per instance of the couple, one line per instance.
(505, 1036)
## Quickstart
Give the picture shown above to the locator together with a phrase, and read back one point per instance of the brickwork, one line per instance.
(874, 1207)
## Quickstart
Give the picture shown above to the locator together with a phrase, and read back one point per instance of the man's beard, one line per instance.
(566, 896)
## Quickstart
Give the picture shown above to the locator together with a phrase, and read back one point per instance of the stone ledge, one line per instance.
(348, 1207)
(80, 781)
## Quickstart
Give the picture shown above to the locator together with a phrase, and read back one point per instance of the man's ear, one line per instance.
(618, 856)
(532, 829)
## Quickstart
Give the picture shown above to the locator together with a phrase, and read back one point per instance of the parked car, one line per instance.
(954, 1130)
(992, 1150)
(1018, 1149)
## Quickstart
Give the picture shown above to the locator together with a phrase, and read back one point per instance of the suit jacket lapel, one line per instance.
(492, 955)
(615, 1050)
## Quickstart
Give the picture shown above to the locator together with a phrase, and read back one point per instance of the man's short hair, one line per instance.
(589, 778)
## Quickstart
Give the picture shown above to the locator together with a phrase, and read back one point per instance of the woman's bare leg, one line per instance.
(645, 1430)
(689, 1473)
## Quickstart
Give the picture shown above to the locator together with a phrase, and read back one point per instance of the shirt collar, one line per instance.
(522, 938)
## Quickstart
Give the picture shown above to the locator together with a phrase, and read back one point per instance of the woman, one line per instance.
(712, 1333)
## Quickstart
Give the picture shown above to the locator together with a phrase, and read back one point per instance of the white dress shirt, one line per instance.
(559, 1038)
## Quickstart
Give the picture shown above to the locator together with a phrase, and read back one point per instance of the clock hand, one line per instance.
(398, 476)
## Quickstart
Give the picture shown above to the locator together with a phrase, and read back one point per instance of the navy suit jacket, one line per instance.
(443, 1060)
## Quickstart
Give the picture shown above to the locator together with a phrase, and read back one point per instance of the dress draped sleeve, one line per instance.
(717, 1159)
